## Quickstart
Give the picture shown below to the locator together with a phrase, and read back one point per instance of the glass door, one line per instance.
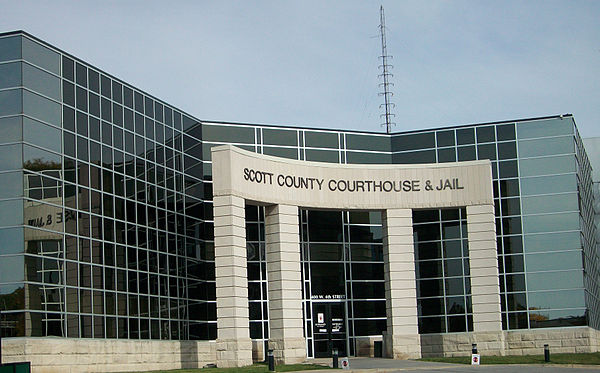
(329, 328)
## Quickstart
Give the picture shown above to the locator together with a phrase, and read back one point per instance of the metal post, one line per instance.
(334, 354)
(547, 353)
(271, 359)
(474, 348)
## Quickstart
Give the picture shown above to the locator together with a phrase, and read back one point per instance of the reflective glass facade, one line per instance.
(106, 227)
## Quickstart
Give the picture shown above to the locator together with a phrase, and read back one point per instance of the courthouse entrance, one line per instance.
(329, 328)
(324, 186)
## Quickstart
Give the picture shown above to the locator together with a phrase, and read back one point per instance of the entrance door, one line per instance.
(329, 328)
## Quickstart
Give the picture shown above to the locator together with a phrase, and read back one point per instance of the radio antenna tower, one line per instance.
(386, 75)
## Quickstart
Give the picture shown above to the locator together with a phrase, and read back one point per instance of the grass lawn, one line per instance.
(591, 359)
(256, 368)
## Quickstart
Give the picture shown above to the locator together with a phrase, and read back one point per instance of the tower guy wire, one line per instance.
(385, 67)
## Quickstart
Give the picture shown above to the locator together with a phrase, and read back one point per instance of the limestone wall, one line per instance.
(71, 355)
(517, 342)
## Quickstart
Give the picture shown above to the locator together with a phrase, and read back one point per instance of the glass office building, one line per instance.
(106, 224)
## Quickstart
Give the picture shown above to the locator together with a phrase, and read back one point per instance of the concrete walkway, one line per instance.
(370, 365)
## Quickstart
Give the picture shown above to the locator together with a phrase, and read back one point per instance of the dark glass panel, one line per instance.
(505, 132)
(81, 74)
(94, 81)
(466, 153)
(507, 150)
(427, 156)
(321, 139)
(68, 68)
(367, 142)
(445, 138)
(367, 271)
(369, 327)
(486, 151)
(465, 136)
(486, 134)
(446, 155)
(416, 141)
(325, 226)
(280, 137)
(327, 279)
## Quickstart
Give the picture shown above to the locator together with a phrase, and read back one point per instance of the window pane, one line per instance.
(545, 128)
(10, 74)
(551, 223)
(36, 159)
(41, 56)
(548, 184)
(11, 102)
(552, 242)
(11, 157)
(40, 134)
(547, 166)
(12, 185)
(280, 137)
(232, 134)
(42, 108)
(321, 139)
(360, 142)
(12, 241)
(550, 280)
(548, 146)
(12, 268)
(413, 141)
(10, 129)
(554, 261)
(40, 81)
(16, 216)
(10, 48)
(556, 299)
(550, 203)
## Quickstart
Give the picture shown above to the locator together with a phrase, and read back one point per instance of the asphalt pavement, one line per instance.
(370, 365)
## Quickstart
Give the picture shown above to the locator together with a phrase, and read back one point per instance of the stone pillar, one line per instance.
(485, 287)
(282, 237)
(401, 340)
(234, 347)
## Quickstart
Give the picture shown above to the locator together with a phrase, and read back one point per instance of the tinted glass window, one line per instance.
(545, 128)
(10, 74)
(505, 132)
(413, 141)
(10, 48)
(486, 134)
(11, 102)
(360, 142)
(280, 137)
(548, 165)
(41, 56)
(10, 129)
(465, 136)
(228, 134)
(445, 138)
(40, 81)
(321, 139)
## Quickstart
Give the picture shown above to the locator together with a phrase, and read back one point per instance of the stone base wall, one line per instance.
(73, 355)
(565, 340)
(517, 342)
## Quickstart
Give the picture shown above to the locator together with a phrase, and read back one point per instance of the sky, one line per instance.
(315, 63)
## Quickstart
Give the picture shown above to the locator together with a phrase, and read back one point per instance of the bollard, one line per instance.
(334, 354)
(547, 353)
(271, 359)
(474, 348)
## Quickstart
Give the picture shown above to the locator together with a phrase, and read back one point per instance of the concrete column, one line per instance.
(401, 340)
(284, 284)
(234, 347)
(485, 287)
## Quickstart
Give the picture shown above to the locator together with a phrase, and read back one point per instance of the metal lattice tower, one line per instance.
(386, 75)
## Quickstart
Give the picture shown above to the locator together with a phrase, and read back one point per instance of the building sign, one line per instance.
(343, 185)
(328, 296)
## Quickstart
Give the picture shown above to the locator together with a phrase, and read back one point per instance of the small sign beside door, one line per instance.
(320, 318)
